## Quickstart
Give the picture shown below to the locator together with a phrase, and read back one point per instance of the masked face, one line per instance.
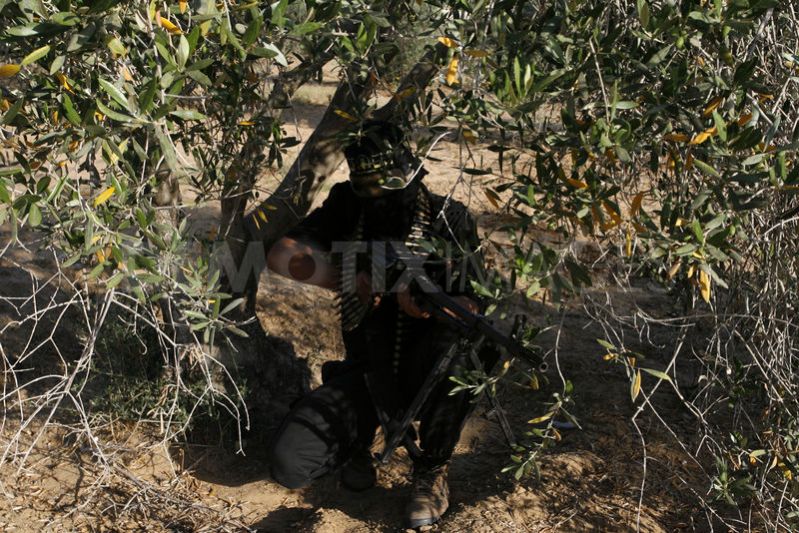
(379, 160)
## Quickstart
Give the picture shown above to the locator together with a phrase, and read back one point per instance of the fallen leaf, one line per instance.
(104, 196)
(9, 70)
(452, 72)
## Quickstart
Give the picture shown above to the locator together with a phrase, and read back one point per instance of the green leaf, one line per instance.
(706, 169)
(36, 55)
(188, 114)
(115, 93)
(686, 249)
(28, 30)
(34, 215)
(306, 28)
(278, 13)
(57, 63)
(69, 111)
(753, 160)
(116, 46)
(5, 197)
(110, 113)
(12, 112)
(148, 96)
(697, 229)
(606, 345)
(643, 13)
(168, 151)
(270, 51)
(199, 77)
(721, 126)
(662, 54)
(657, 374)
(115, 280)
(65, 18)
(11, 171)
(183, 51)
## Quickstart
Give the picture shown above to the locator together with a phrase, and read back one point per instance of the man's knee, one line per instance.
(286, 467)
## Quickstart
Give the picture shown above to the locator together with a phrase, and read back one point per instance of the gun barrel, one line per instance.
(470, 322)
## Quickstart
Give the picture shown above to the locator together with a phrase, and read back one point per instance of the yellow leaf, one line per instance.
(691, 270)
(126, 74)
(452, 72)
(246, 123)
(262, 215)
(699, 138)
(636, 387)
(255, 221)
(534, 382)
(8, 70)
(636, 205)
(169, 26)
(405, 93)
(540, 419)
(674, 269)
(704, 285)
(449, 43)
(609, 356)
(346, 116)
(712, 106)
(577, 184)
(104, 196)
(476, 53)
(182, 5)
(64, 82)
(469, 135)
(744, 119)
(5, 105)
(74, 145)
(614, 215)
(676, 137)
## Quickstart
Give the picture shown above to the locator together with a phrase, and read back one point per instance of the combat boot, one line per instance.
(359, 474)
(429, 496)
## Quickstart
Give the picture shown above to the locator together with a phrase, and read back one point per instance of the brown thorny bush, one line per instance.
(664, 129)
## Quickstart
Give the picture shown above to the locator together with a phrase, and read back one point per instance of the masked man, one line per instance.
(391, 341)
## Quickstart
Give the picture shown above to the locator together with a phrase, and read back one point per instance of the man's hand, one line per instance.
(408, 305)
(363, 288)
(465, 302)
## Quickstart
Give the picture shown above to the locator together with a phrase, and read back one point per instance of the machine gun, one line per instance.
(474, 326)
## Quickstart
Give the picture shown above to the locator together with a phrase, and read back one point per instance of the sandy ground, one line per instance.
(591, 481)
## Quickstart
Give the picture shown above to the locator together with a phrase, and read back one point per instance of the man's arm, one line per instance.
(302, 262)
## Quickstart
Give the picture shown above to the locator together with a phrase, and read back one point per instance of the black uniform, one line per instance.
(397, 351)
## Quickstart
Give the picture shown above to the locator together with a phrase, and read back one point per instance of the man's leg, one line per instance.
(441, 422)
(321, 431)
